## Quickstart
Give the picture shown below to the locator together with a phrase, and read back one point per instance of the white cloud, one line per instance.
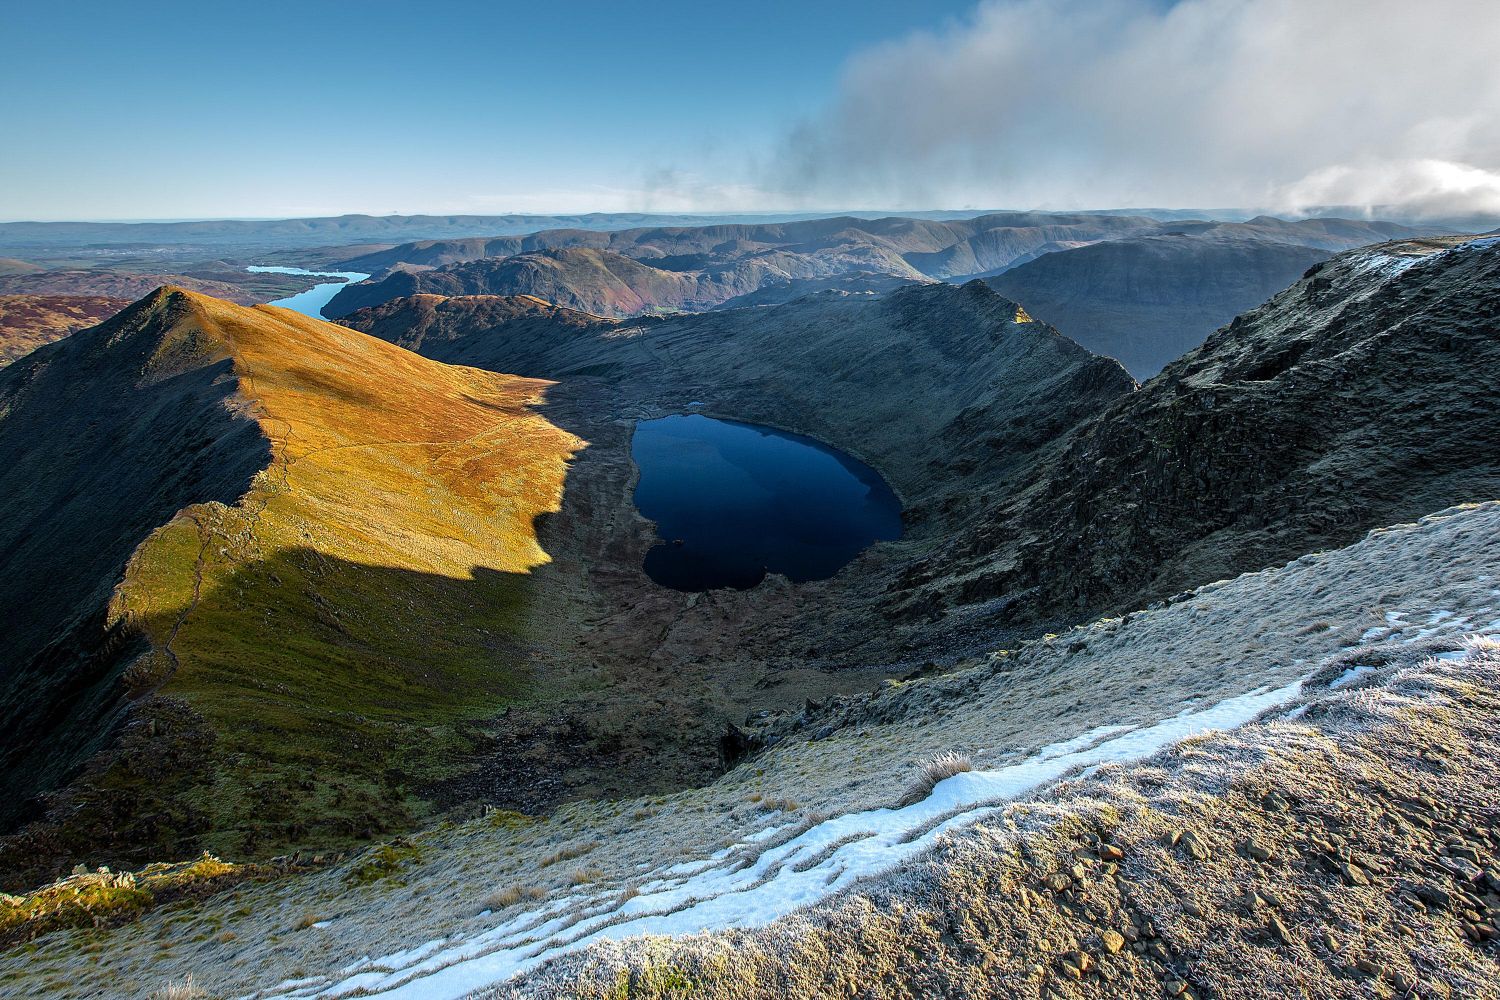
(1422, 188)
(1280, 104)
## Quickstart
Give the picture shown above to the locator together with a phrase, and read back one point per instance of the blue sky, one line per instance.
(218, 109)
(148, 110)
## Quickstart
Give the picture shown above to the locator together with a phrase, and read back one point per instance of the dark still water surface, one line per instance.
(734, 501)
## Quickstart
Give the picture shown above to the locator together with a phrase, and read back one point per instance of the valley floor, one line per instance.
(1116, 833)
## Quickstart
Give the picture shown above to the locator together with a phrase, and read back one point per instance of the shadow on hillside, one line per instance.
(312, 703)
(90, 465)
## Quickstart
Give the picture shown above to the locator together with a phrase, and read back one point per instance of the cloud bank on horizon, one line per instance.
(1284, 105)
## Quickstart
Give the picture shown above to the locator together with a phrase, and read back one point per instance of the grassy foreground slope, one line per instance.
(1321, 852)
(280, 689)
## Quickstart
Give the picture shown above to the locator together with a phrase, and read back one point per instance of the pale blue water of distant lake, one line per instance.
(734, 501)
(312, 301)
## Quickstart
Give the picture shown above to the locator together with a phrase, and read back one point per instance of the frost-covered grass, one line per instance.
(749, 889)
(989, 911)
(1044, 726)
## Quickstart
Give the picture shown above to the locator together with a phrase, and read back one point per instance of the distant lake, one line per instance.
(733, 501)
(312, 301)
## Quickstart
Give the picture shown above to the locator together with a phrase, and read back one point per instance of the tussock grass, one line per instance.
(184, 989)
(568, 853)
(932, 771)
(586, 876)
(510, 895)
(500, 899)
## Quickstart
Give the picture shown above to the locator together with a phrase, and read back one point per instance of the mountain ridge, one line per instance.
(638, 271)
(214, 641)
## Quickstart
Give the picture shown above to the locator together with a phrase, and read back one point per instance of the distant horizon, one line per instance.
(725, 110)
(818, 212)
(1221, 213)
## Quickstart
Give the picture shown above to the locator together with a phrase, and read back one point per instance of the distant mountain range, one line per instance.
(1139, 288)
(936, 248)
(233, 285)
(346, 229)
(1136, 289)
(1147, 300)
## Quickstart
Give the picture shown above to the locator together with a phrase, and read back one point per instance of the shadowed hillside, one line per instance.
(239, 513)
(1147, 301)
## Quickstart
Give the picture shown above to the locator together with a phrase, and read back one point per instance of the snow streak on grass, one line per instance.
(744, 889)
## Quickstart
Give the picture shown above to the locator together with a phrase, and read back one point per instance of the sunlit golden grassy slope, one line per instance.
(338, 626)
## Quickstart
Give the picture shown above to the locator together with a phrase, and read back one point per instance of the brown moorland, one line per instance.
(29, 321)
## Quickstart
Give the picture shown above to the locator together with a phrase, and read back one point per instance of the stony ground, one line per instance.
(1341, 846)
(1350, 855)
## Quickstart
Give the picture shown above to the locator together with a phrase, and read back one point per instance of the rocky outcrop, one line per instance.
(1346, 402)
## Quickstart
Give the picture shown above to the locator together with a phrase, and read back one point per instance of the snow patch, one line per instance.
(736, 891)
(1351, 675)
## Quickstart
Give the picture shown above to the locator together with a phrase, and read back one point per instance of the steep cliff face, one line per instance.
(1351, 400)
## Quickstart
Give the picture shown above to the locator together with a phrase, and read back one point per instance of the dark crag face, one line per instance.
(735, 501)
